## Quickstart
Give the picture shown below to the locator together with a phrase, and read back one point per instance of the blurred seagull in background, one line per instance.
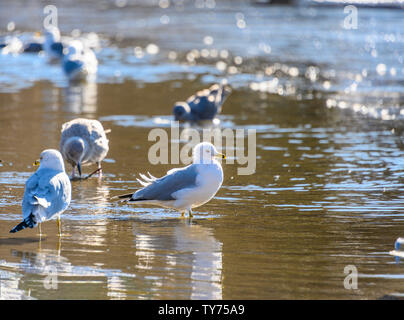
(398, 252)
(79, 63)
(34, 43)
(84, 142)
(47, 192)
(204, 105)
(53, 46)
(11, 45)
(24, 44)
(183, 188)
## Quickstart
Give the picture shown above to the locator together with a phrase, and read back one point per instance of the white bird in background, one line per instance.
(83, 142)
(184, 188)
(398, 252)
(47, 192)
(79, 62)
(11, 45)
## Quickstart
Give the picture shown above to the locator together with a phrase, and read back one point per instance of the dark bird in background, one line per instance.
(204, 105)
(53, 46)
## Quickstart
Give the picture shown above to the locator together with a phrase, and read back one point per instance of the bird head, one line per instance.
(74, 151)
(206, 152)
(50, 159)
(182, 111)
(52, 34)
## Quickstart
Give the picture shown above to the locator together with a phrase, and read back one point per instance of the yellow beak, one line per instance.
(36, 163)
(219, 155)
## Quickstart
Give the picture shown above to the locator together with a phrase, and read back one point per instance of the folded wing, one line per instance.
(162, 189)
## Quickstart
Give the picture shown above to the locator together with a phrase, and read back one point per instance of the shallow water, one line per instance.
(328, 187)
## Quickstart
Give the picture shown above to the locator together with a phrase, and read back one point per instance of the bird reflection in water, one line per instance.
(91, 204)
(81, 97)
(205, 254)
(10, 286)
(191, 249)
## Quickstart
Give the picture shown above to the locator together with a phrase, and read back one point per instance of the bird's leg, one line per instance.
(190, 213)
(74, 177)
(99, 169)
(59, 224)
(59, 245)
(40, 230)
(93, 173)
(73, 173)
(182, 214)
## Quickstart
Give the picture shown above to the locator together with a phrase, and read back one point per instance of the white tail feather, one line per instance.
(151, 176)
(144, 184)
(145, 178)
(42, 202)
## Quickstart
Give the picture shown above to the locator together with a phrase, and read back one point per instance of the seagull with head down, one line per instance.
(83, 142)
(47, 192)
(184, 188)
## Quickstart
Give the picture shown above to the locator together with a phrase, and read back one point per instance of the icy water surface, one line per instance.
(327, 105)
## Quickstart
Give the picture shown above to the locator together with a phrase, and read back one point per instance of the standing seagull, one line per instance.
(53, 46)
(205, 105)
(184, 188)
(47, 192)
(80, 62)
(83, 142)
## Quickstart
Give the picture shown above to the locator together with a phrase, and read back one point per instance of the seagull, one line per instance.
(34, 44)
(11, 45)
(183, 188)
(47, 192)
(53, 46)
(84, 142)
(205, 105)
(80, 62)
(397, 246)
(33, 47)
(15, 45)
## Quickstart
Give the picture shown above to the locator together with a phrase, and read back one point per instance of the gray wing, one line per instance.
(46, 189)
(163, 188)
(86, 129)
(75, 128)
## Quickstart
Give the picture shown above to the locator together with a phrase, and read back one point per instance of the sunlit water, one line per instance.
(327, 105)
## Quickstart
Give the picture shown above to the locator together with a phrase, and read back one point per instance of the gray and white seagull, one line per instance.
(183, 188)
(47, 192)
